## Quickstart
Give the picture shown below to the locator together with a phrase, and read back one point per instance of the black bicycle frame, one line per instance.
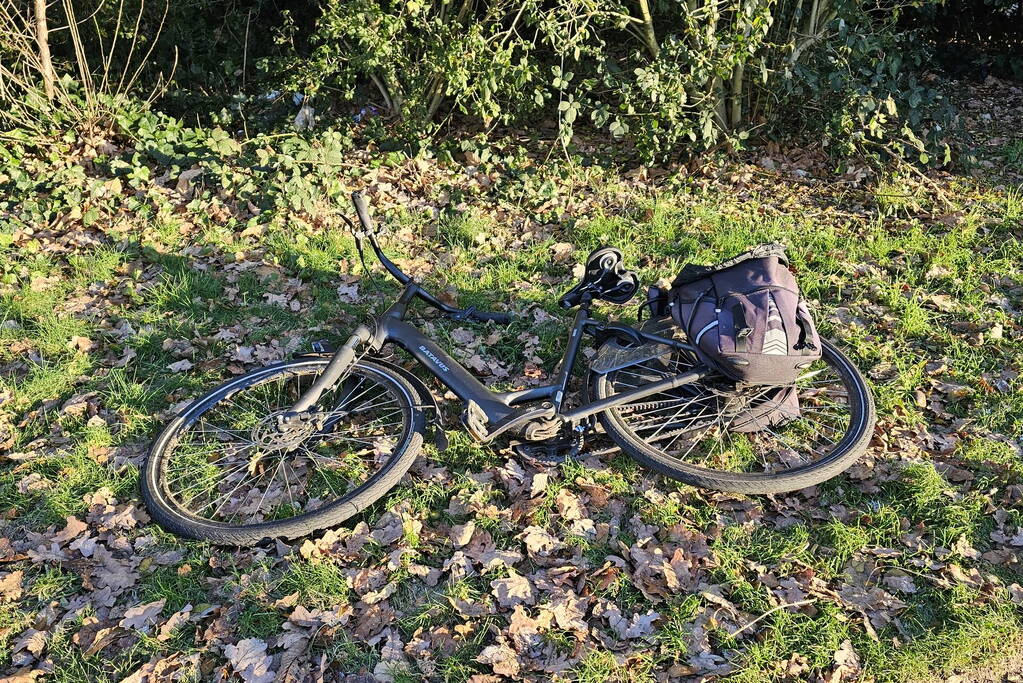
(498, 407)
(487, 408)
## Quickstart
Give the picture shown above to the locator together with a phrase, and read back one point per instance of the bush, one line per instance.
(868, 91)
(662, 77)
(665, 76)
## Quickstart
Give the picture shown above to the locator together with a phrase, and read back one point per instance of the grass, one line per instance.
(601, 665)
(895, 288)
(959, 632)
(320, 585)
(1013, 153)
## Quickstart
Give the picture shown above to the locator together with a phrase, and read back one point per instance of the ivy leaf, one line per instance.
(708, 129)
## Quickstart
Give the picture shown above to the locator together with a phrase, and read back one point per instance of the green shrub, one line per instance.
(661, 77)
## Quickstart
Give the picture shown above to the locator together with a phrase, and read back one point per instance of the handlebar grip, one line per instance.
(485, 316)
(363, 211)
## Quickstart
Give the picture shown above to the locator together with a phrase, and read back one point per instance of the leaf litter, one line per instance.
(520, 570)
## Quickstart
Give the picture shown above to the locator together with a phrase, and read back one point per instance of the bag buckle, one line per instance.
(740, 339)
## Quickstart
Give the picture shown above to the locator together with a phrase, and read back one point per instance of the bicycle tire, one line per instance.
(178, 521)
(848, 450)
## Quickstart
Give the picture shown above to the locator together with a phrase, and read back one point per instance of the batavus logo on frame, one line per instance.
(436, 361)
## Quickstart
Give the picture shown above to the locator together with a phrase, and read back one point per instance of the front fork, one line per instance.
(336, 368)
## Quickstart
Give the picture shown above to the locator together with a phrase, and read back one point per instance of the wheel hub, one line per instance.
(275, 434)
(736, 404)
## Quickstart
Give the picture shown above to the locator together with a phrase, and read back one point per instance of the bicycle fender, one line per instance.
(425, 395)
(612, 356)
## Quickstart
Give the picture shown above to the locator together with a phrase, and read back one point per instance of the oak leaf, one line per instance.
(11, 585)
(502, 658)
(516, 589)
(141, 617)
(249, 660)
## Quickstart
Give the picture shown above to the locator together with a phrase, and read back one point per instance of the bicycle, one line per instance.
(305, 444)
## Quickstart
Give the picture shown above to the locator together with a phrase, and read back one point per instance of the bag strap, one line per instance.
(742, 328)
(687, 326)
(803, 344)
(656, 301)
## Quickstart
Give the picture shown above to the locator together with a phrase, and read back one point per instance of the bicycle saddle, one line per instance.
(605, 278)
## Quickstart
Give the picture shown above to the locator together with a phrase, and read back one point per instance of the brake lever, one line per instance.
(463, 314)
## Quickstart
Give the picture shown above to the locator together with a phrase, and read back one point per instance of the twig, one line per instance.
(245, 52)
(383, 92)
(771, 611)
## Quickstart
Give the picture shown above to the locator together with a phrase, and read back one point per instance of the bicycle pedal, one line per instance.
(475, 420)
(537, 455)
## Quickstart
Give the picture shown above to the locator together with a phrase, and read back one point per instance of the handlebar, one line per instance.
(471, 313)
(369, 231)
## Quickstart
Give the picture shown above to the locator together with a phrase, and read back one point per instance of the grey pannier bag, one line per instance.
(746, 318)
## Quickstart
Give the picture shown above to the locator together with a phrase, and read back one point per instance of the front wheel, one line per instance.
(222, 470)
(753, 439)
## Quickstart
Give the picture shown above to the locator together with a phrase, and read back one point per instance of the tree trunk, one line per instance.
(737, 91)
(649, 37)
(717, 90)
(43, 40)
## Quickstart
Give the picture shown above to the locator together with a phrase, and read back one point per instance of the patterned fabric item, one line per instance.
(775, 341)
(746, 318)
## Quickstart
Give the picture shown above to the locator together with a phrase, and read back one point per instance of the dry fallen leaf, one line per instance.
(847, 662)
(513, 590)
(182, 365)
(83, 344)
(569, 611)
(503, 659)
(249, 660)
(10, 585)
(348, 293)
(33, 482)
(141, 617)
(538, 541)
(901, 583)
(461, 534)
(177, 619)
(943, 302)
(562, 251)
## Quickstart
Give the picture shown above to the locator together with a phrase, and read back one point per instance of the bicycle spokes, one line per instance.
(236, 463)
(717, 425)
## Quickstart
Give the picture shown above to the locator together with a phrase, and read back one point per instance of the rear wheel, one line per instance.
(223, 471)
(748, 440)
